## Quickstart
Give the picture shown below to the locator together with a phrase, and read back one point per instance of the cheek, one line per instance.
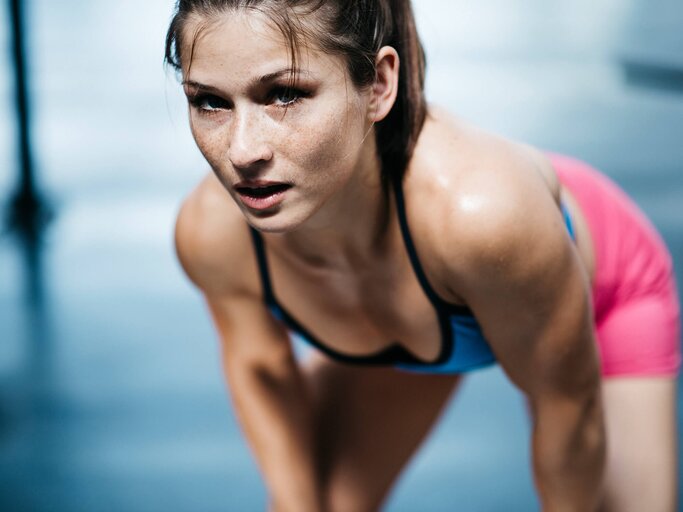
(328, 145)
(208, 142)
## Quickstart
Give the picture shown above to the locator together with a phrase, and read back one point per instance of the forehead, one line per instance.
(242, 44)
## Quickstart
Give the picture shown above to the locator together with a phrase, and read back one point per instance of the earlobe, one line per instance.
(385, 88)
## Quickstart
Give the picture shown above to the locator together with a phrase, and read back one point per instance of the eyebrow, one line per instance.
(260, 80)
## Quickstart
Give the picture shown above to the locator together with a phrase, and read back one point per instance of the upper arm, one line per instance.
(213, 245)
(522, 278)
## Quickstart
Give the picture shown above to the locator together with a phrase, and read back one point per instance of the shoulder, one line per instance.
(492, 205)
(213, 242)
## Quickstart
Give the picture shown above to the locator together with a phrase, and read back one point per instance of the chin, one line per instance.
(278, 221)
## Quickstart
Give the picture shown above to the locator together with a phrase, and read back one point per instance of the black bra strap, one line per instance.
(437, 301)
(410, 246)
(262, 266)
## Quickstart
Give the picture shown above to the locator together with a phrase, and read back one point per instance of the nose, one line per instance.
(248, 142)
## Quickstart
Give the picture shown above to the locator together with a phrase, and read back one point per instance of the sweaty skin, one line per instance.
(486, 224)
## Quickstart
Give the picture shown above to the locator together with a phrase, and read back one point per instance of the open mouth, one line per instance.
(261, 191)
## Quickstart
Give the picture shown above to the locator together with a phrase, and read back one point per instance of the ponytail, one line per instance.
(397, 134)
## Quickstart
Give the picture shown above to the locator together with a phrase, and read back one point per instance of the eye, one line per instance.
(286, 96)
(208, 103)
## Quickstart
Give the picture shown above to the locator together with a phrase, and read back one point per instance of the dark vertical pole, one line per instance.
(28, 216)
(28, 213)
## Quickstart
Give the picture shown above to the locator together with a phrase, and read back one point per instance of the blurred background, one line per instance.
(111, 395)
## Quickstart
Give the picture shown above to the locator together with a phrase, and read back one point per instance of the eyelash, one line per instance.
(199, 101)
(298, 95)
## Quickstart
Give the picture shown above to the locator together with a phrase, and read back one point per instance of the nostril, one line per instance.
(245, 157)
(250, 167)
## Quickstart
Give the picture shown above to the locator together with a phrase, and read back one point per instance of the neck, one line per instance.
(351, 228)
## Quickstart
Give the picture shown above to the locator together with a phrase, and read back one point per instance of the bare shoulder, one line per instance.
(492, 202)
(213, 242)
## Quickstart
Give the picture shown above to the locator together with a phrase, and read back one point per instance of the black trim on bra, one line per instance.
(394, 353)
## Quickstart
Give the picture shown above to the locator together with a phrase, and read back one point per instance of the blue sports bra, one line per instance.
(463, 346)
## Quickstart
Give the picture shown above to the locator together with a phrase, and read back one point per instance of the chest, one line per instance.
(360, 312)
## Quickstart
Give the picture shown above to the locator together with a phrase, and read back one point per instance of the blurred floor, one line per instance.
(111, 396)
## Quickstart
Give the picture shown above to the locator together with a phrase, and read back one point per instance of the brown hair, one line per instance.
(354, 29)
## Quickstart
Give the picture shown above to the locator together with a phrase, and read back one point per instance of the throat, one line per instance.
(353, 243)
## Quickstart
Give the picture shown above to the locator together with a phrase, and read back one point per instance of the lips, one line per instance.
(260, 191)
(261, 195)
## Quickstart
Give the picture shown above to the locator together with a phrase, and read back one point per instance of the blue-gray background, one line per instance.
(111, 395)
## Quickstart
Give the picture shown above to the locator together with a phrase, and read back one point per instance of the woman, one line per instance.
(409, 248)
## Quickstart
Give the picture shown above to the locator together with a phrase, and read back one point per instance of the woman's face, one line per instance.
(281, 152)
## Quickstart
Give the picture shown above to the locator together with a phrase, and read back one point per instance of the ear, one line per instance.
(385, 88)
